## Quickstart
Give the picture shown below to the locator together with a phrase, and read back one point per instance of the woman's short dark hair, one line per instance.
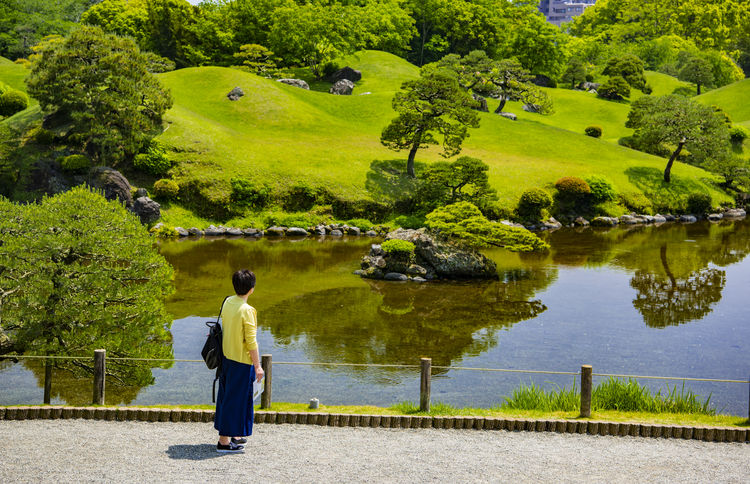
(243, 280)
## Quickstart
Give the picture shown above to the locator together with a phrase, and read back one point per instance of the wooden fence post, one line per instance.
(47, 380)
(99, 372)
(424, 385)
(265, 398)
(586, 371)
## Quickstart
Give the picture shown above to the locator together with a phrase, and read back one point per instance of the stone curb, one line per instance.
(590, 427)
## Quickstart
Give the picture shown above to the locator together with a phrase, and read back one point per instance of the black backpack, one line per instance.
(212, 353)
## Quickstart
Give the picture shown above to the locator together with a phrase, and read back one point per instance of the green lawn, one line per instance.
(281, 135)
(733, 99)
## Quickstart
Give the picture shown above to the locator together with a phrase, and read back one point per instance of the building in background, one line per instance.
(559, 11)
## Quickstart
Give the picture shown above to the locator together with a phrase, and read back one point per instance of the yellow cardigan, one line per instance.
(239, 326)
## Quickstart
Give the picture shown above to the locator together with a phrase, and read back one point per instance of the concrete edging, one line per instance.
(590, 427)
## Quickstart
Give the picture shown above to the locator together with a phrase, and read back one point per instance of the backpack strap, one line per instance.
(221, 309)
(218, 369)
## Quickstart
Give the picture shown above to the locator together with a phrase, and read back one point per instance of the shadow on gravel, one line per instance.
(193, 452)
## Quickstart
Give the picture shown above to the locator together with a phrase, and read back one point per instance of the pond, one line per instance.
(666, 300)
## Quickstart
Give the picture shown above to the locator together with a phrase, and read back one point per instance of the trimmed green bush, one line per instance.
(300, 197)
(593, 131)
(738, 134)
(409, 221)
(699, 203)
(12, 102)
(154, 161)
(166, 189)
(601, 189)
(532, 204)
(615, 89)
(398, 246)
(164, 232)
(41, 136)
(75, 163)
(647, 89)
(572, 189)
(244, 192)
(636, 202)
(360, 223)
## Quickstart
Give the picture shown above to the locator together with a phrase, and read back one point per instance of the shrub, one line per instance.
(601, 189)
(647, 89)
(398, 246)
(684, 91)
(636, 202)
(164, 231)
(699, 203)
(532, 204)
(154, 161)
(75, 163)
(244, 192)
(409, 221)
(300, 197)
(41, 136)
(615, 88)
(589, 78)
(738, 134)
(593, 131)
(166, 189)
(4, 88)
(13, 101)
(361, 223)
(572, 189)
(297, 219)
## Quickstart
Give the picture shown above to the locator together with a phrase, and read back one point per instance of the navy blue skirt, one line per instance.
(234, 403)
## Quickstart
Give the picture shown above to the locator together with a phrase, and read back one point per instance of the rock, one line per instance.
(346, 73)
(377, 250)
(275, 231)
(336, 233)
(581, 222)
(510, 116)
(250, 232)
(715, 217)
(552, 224)
(604, 222)
(114, 185)
(416, 270)
(512, 224)
(353, 231)
(418, 279)
(296, 83)
(213, 231)
(342, 87)
(481, 103)
(532, 108)
(147, 210)
(365, 93)
(235, 94)
(669, 217)
(395, 276)
(589, 86)
(234, 231)
(688, 219)
(628, 220)
(659, 219)
(181, 232)
(141, 192)
(371, 233)
(320, 230)
(195, 231)
(543, 81)
(296, 232)
(735, 213)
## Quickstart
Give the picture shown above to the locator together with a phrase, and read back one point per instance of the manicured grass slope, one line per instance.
(282, 134)
(734, 99)
(13, 74)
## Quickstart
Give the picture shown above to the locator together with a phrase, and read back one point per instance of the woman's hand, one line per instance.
(259, 373)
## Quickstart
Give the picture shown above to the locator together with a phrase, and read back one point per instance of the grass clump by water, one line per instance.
(612, 394)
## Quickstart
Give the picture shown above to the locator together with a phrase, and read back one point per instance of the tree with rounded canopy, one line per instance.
(99, 88)
(680, 123)
(77, 273)
(629, 67)
(463, 179)
(698, 71)
(575, 71)
(432, 104)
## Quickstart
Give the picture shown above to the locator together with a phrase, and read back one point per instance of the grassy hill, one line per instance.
(282, 135)
(13, 74)
(733, 99)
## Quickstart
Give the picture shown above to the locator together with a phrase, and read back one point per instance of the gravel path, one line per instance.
(86, 451)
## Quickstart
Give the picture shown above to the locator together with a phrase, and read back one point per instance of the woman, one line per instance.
(240, 366)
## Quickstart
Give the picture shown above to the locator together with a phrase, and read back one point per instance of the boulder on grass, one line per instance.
(345, 73)
(510, 116)
(235, 94)
(342, 87)
(114, 185)
(481, 103)
(296, 83)
(147, 210)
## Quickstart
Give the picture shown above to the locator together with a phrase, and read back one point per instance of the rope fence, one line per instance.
(425, 366)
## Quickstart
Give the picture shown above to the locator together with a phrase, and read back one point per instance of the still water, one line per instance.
(666, 301)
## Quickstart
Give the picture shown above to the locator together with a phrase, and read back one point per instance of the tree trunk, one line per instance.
(699, 89)
(501, 106)
(410, 161)
(668, 169)
(47, 380)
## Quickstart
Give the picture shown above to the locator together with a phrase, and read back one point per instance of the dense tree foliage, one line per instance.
(431, 105)
(77, 273)
(680, 123)
(462, 180)
(98, 87)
